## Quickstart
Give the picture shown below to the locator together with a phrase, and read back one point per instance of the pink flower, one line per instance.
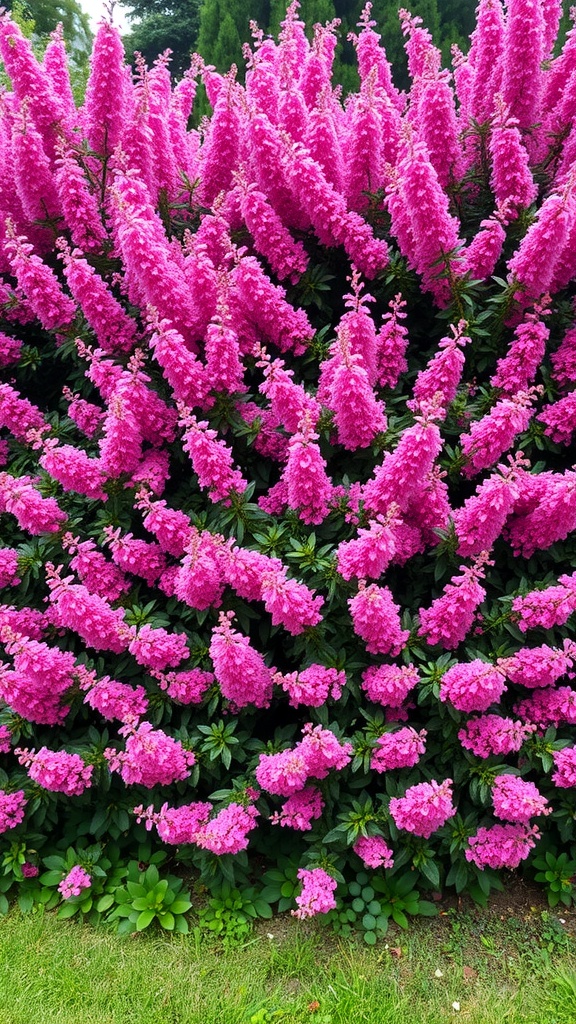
(211, 459)
(5, 738)
(493, 435)
(369, 554)
(472, 686)
(549, 707)
(491, 734)
(501, 846)
(151, 758)
(159, 649)
(11, 809)
(376, 619)
(313, 686)
(424, 808)
(309, 486)
(290, 603)
(75, 881)
(41, 677)
(284, 773)
(545, 608)
(9, 567)
(565, 762)
(400, 749)
(322, 751)
(75, 608)
(359, 416)
(516, 800)
(392, 342)
(317, 895)
(33, 513)
(186, 687)
(374, 852)
(538, 666)
(241, 672)
(227, 832)
(389, 684)
(117, 700)
(299, 810)
(440, 379)
(451, 616)
(56, 770)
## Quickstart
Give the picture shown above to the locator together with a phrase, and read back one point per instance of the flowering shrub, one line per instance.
(287, 501)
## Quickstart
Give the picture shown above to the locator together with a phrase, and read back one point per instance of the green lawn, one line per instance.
(467, 966)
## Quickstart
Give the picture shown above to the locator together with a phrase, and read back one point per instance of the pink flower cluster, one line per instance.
(313, 686)
(535, 667)
(400, 749)
(317, 894)
(502, 846)
(241, 672)
(451, 616)
(549, 707)
(424, 808)
(9, 567)
(151, 758)
(39, 681)
(5, 738)
(186, 687)
(56, 770)
(74, 883)
(317, 753)
(228, 831)
(374, 852)
(472, 685)
(11, 809)
(565, 763)
(491, 734)
(376, 619)
(389, 684)
(299, 810)
(516, 800)
(225, 833)
(117, 700)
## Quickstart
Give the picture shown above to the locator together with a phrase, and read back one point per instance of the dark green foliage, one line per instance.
(164, 25)
(47, 14)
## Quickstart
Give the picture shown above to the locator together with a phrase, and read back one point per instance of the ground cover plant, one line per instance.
(287, 497)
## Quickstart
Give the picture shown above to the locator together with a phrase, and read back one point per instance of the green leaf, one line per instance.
(136, 890)
(143, 902)
(152, 875)
(167, 921)
(144, 919)
(180, 906)
(68, 910)
(25, 902)
(427, 909)
(430, 871)
(56, 864)
(51, 878)
(399, 917)
(105, 902)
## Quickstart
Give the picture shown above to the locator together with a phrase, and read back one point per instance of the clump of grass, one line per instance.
(459, 967)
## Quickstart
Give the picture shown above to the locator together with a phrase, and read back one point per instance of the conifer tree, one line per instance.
(161, 25)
